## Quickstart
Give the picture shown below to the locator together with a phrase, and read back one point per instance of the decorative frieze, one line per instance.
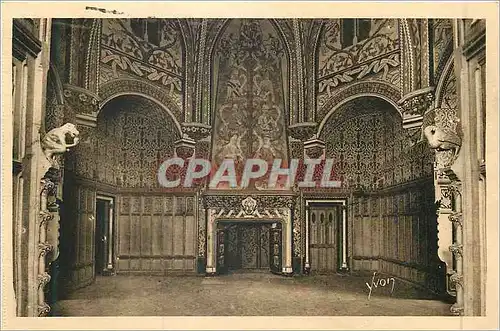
(230, 201)
(196, 131)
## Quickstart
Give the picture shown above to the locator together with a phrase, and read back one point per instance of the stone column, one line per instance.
(302, 141)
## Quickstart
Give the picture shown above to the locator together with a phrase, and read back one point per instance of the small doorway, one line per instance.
(104, 236)
(248, 246)
(327, 237)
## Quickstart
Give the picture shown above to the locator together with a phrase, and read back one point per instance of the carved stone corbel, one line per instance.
(82, 105)
(314, 148)
(43, 309)
(185, 147)
(303, 131)
(457, 279)
(414, 105)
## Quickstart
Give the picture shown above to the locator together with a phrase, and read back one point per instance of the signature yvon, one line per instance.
(382, 282)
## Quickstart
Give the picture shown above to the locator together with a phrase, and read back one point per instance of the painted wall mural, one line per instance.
(349, 51)
(145, 48)
(249, 111)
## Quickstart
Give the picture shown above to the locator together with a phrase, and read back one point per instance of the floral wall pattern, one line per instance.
(249, 116)
(377, 56)
(393, 222)
(387, 158)
(151, 49)
(133, 137)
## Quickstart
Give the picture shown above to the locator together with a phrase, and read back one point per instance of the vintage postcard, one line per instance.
(249, 165)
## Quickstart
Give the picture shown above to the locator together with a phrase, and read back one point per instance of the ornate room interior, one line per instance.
(100, 103)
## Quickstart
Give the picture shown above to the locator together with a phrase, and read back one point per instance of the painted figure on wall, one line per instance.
(249, 119)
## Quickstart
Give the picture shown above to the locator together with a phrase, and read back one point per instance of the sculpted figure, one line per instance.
(54, 142)
(442, 140)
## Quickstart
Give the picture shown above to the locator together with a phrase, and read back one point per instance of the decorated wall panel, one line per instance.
(249, 117)
(396, 232)
(371, 149)
(133, 137)
(393, 226)
(354, 49)
(156, 233)
(150, 49)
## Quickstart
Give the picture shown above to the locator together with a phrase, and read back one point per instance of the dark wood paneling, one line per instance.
(156, 233)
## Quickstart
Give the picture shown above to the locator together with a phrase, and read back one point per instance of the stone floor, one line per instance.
(247, 294)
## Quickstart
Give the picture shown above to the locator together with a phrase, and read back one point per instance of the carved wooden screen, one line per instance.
(325, 226)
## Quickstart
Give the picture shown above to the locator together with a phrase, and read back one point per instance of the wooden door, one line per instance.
(324, 232)
(101, 235)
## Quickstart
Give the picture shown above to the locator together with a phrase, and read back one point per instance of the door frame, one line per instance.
(340, 201)
(110, 258)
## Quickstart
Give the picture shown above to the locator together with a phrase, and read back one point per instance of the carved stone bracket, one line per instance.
(414, 105)
(45, 217)
(43, 310)
(303, 131)
(184, 147)
(47, 186)
(58, 141)
(457, 310)
(314, 148)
